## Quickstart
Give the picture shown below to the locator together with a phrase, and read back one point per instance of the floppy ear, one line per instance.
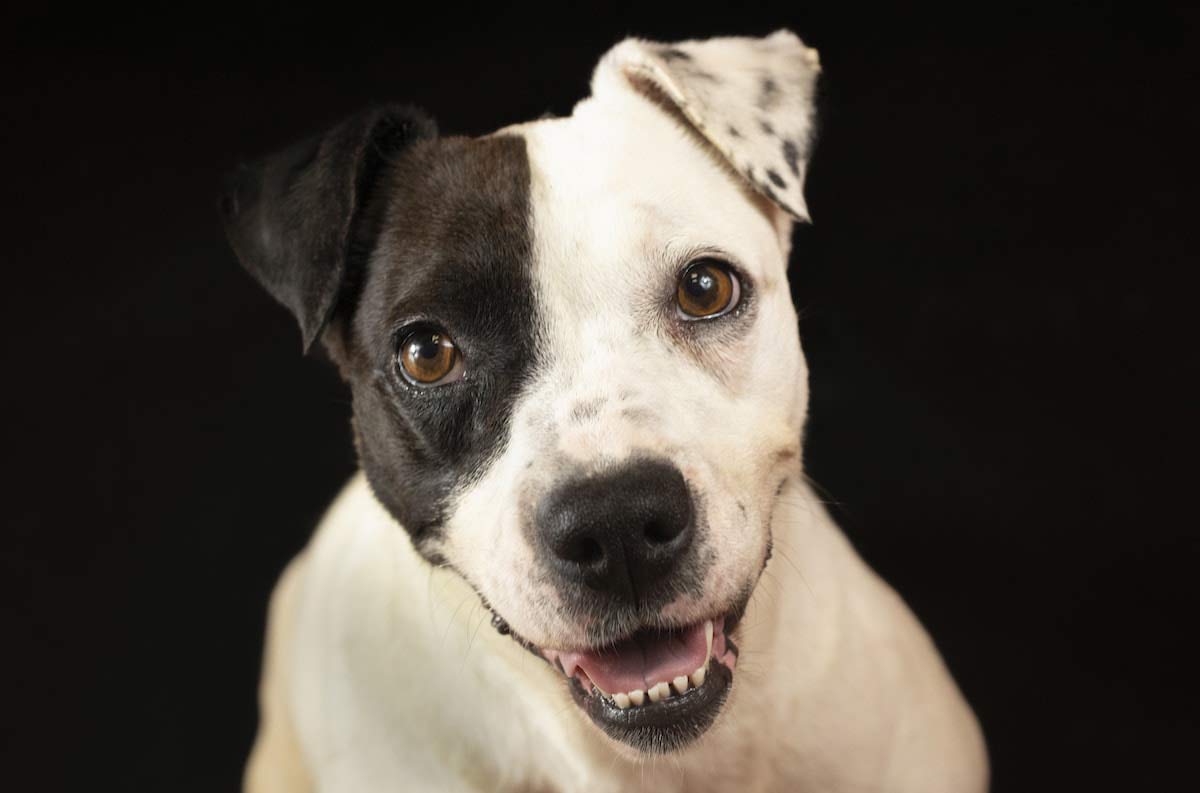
(751, 98)
(289, 215)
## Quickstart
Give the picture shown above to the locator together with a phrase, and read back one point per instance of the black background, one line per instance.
(1003, 205)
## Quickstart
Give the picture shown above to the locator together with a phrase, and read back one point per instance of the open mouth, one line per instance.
(657, 689)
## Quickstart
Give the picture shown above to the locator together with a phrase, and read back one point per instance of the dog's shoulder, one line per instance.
(276, 762)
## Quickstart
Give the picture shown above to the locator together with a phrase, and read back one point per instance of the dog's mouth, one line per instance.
(650, 666)
(657, 689)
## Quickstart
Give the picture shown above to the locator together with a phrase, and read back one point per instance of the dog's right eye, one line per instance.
(427, 356)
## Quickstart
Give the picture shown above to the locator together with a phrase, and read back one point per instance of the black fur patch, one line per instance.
(289, 216)
(446, 241)
(673, 54)
(791, 155)
(774, 176)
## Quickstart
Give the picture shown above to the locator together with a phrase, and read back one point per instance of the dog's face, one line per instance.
(573, 354)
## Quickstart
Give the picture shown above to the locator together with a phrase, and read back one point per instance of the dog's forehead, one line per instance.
(623, 183)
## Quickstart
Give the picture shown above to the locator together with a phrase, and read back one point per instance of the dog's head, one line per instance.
(573, 355)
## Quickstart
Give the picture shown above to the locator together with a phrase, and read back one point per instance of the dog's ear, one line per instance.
(751, 98)
(289, 216)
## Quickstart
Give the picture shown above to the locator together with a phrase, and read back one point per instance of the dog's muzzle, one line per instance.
(620, 543)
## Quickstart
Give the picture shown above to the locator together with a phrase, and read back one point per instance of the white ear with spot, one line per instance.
(751, 98)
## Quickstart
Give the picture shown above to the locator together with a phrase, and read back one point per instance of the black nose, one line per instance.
(619, 532)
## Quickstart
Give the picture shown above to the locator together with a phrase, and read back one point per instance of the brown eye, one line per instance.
(707, 289)
(427, 356)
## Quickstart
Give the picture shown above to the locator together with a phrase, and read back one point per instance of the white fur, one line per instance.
(383, 674)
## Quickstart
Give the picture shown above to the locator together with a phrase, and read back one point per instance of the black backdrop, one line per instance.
(1001, 209)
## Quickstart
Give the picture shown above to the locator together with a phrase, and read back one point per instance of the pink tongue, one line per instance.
(641, 661)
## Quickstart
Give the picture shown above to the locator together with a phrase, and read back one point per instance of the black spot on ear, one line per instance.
(771, 194)
(768, 94)
(734, 131)
(766, 126)
(673, 54)
(791, 154)
(774, 176)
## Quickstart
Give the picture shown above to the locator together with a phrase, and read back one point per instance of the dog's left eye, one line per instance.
(707, 289)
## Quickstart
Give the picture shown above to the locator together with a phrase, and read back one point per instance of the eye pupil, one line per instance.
(428, 347)
(699, 284)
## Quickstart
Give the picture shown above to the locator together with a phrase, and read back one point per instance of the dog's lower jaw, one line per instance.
(663, 727)
(387, 674)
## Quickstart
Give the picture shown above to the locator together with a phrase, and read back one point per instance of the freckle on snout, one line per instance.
(639, 416)
(587, 409)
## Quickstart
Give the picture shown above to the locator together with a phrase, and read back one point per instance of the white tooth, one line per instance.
(664, 690)
(698, 677)
(655, 693)
(622, 700)
(681, 684)
(637, 697)
(708, 634)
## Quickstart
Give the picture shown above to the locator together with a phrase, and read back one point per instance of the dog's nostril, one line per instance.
(661, 532)
(584, 551)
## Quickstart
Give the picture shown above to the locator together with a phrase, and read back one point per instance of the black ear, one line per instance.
(289, 215)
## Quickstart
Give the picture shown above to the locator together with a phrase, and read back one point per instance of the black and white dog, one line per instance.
(579, 398)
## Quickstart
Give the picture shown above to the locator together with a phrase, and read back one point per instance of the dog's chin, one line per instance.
(658, 689)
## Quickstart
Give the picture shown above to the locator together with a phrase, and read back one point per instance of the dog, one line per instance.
(578, 399)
